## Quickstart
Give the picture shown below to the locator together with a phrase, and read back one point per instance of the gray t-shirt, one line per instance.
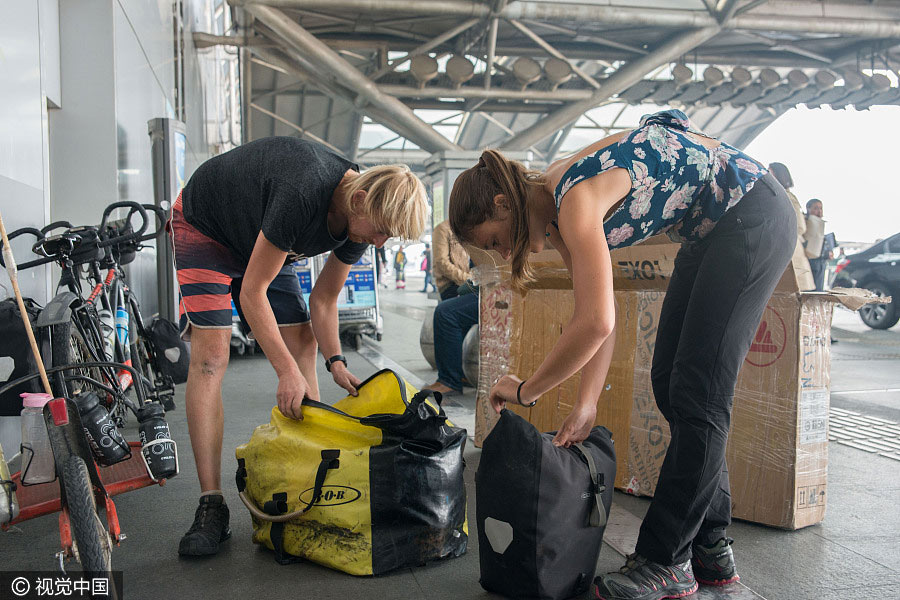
(281, 186)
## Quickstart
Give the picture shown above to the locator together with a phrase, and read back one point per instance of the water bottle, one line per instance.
(160, 458)
(107, 444)
(9, 507)
(122, 326)
(108, 328)
(38, 465)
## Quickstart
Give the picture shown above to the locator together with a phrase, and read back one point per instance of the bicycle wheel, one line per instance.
(93, 547)
(69, 346)
(146, 361)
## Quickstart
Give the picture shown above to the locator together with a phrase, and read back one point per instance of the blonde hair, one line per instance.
(395, 201)
(472, 203)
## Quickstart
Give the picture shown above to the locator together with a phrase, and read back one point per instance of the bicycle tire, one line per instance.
(67, 347)
(93, 547)
(142, 358)
(146, 360)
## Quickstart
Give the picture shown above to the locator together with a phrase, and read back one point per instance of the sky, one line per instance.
(849, 159)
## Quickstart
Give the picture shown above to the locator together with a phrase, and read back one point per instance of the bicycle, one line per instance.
(78, 330)
(72, 336)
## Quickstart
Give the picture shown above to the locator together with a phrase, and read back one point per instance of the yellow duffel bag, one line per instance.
(368, 485)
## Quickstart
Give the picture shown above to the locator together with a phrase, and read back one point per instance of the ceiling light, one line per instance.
(423, 68)
(558, 71)
(459, 69)
(527, 70)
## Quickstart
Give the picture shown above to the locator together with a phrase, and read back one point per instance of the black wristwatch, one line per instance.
(334, 359)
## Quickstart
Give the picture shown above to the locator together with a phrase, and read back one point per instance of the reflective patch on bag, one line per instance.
(499, 534)
(172, 354)
(7, 366)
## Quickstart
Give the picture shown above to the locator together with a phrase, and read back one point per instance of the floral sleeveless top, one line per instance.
(677, 185)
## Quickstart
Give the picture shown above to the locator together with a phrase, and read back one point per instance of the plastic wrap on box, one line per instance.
(777, 452)
(504, 349)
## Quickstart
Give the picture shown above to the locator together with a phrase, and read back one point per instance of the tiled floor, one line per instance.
(868, 433)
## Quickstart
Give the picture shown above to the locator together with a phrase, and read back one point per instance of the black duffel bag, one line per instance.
(16, 359)
(173, 355)
(541, 510)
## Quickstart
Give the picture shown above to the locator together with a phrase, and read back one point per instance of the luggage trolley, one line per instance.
(359, 312)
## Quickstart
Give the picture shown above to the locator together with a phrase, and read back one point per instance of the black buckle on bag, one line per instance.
(278, 506)
(240, 477)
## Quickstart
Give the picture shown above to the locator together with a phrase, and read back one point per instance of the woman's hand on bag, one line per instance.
(344, 378)
(292, 389)
(504, 391)
(577, 425)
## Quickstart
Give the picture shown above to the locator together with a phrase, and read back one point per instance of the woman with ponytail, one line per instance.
(737, 230)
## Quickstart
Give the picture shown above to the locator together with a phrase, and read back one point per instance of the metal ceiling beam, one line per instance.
(620, 15)
(329, 61)
(296, 127)
(614, 15)
(442, 8)
(554, 52)
(625, 77)
(491, 52)
(289, 61)
(594, 39)
(426, 47)
(713, 56)
(495, 93)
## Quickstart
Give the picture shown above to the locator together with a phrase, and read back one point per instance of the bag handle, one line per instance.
(328, 407)
(423, 394)
(329, 461)
(598, 512)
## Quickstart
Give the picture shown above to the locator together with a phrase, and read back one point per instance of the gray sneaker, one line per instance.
(641, 579)
(714, 565)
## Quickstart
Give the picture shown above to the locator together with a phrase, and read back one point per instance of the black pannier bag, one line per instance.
(541, 510)
(173, 355)
(16, 359)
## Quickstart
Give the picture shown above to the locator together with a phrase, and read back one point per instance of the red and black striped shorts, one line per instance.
(209, 278)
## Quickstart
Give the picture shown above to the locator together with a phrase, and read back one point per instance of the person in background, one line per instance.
(427, 266)
(242, 219)
(819, 246)
(452, 320)
(399, 268)
(798, 260)
(381, 265)
(451, 261)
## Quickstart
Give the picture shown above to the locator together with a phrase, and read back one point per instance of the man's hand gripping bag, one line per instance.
(541, 510)
(368, 485)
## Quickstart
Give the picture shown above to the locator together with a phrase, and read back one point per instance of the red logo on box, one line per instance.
(769, 341)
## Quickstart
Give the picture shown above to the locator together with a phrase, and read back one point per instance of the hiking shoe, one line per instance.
(641, 579)
(210, 528)
(714, 564)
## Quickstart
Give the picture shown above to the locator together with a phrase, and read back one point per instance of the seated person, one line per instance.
(452, 320)
(451, 261)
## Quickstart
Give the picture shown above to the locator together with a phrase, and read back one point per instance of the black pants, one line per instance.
(713, 306)
(817, 266)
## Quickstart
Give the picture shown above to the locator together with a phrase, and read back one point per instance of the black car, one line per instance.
(877, 269)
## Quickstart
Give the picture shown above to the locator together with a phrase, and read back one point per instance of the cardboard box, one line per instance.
(777, 451)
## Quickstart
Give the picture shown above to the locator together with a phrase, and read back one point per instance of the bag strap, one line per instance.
(271, 510)
(422, 394)
(328, 407)
(598, 511)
